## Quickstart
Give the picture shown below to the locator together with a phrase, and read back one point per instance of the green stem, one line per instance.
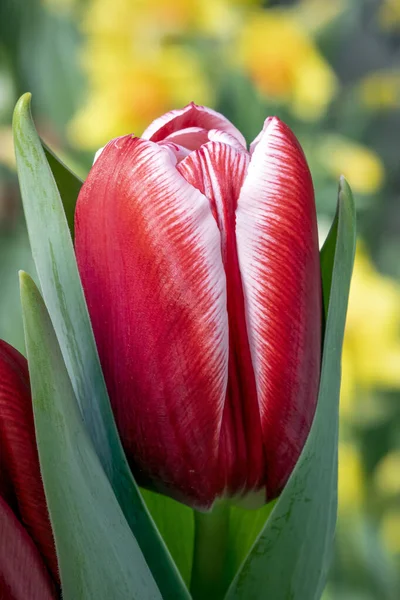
(210, 546)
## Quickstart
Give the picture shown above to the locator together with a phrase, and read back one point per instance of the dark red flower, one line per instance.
(28, 563)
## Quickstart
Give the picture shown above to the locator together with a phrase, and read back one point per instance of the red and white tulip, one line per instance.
(200, 265)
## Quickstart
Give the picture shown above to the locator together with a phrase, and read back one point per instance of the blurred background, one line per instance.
(331, 70)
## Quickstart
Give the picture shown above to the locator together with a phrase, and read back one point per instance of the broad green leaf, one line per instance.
(98, 556)
(57, 270)
(236, 528)
(291, 556)
(68, 185)
(244, 528)
(175, 522)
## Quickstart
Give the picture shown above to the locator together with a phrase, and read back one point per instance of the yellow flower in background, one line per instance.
(222, 18)
(391, 530)
(387, 475)
(371, 351)
(359, 164)
(138, 64)
(351, 479)
(282, 60)
(133, 94)
(389, 14)
(135, 72)
(380, 90)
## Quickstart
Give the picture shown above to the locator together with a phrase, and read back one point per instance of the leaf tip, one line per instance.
(28, 290)
(23, 107)
(24, 279)
(345, 192)
(346, 196)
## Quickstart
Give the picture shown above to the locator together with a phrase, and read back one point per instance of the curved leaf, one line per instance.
(291, 556)
(98, 556)
(175, 522)
(55, 262)
(244, 528)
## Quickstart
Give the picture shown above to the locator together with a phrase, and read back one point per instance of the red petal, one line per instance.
(279, 262)
(218, 171)
(149, 255)
(20, 480)
(23, 574)
(190, 116)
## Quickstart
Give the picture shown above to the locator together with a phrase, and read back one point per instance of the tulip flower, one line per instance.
(200, 265)
(28, 563)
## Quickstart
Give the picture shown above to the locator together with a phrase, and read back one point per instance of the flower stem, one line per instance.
(210, 546)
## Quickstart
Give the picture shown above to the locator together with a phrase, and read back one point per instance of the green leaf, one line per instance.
(291, 556)
(57, 270)
(68, 185)
(327, 257)
(175, 522)
(244, 528)
(98, 556)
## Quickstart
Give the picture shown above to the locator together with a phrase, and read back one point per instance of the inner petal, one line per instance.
(176, 152)
(192, 115)
(218, 171)
(191, 137)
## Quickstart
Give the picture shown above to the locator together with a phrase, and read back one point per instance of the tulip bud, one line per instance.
(28, 563)
(200, 265)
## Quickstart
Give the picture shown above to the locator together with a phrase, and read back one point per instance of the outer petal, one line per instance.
(23, 574)
(20, 480)
(190, 116)
(279, 262)
(218, 170)
(149, 255)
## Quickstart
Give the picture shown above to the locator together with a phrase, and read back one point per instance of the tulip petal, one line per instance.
(190, 137)
(193, 138)
(190, 116)
(149, 255)
(217, 135)
(279, 262)
(23, 574)
(218, 171)
(20, 480)
(177, 152)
